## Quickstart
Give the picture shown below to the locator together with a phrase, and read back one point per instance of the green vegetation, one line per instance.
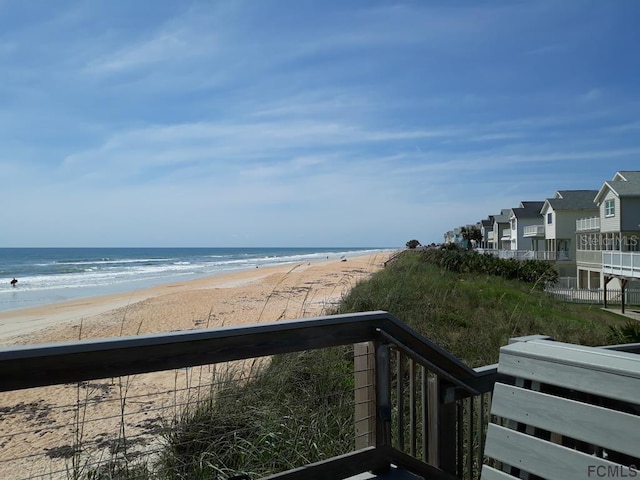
(472, 235)
(627, 333)
(413, 243)
(455, 259)
(298, 408)
(471, 312)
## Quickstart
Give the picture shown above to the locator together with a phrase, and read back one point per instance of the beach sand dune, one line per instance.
(39, 427)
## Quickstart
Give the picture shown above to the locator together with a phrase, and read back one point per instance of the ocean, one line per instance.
(51, 275)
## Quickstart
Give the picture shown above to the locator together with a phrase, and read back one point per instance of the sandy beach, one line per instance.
(37, 426)
(251, 296)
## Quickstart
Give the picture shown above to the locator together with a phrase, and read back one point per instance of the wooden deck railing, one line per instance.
(416, 405)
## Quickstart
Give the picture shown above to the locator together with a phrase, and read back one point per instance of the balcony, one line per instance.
(516, 254)
(534, 255)
(533, 231)
(624, 264)
(490, 236)
(592, 257)
(506, 235)
(591, 224)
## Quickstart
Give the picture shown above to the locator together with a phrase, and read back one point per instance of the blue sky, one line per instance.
(304, 123)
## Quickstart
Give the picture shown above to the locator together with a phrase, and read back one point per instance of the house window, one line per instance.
(549, 218)
(610, 208)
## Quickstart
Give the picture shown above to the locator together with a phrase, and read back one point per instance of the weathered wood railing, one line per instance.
(416, 405)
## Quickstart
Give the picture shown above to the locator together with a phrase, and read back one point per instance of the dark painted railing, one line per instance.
(417, 406)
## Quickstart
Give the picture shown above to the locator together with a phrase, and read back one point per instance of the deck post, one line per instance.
(442, 428)
(365, 395)
(607, 279)
(383, 394)
(623, 284)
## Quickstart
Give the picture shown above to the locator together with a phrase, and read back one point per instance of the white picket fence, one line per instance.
(594, 296)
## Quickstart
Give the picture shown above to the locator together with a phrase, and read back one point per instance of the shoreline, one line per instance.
(35, 321)
(47, 276)
(43, 420)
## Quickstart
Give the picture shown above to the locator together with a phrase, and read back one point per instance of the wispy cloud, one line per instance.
(228, 120)
(162, 49)
(628, 127)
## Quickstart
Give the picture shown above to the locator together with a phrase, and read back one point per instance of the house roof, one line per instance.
(629, 175)
(502, 217)
(528, 210)
(625, 183)
(571, 200)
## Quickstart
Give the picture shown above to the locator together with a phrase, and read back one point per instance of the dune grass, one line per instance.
(292, 411)
(473, 314)
(298, 408)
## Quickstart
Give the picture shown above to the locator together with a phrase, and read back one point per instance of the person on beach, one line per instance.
(13, 282)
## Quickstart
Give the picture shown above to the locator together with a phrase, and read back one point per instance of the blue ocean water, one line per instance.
(50, 275)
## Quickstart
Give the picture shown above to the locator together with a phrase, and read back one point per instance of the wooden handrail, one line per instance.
(49, 364)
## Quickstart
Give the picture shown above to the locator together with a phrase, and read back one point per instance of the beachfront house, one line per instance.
(501, 230)
(486, 228)
(454, 236)
(559, 215)
(448, 237)
(608, 243)
(525, 218)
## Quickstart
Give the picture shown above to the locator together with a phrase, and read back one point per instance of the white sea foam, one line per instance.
(46, 280)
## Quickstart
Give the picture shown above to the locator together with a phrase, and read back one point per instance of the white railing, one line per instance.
(594, 295)
(533, 231)
(588, 224)
(625, 264)
(490, 236)
(516, 254)
(487, 251)
(533, 255)
(593, 257)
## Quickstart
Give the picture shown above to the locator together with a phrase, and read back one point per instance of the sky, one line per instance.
(240, 123)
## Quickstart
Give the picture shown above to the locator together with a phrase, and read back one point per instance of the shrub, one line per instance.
(458, 260)
(413, 244)
(627, 333)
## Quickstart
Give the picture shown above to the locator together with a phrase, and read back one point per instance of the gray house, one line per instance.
(501, 235)
(609, 241)
(486, 228)
(560, 214)
(526, 216)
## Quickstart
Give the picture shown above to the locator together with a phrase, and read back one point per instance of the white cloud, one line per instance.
(592, 95)
(627, 127)
(164, 48)
(202, 121)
